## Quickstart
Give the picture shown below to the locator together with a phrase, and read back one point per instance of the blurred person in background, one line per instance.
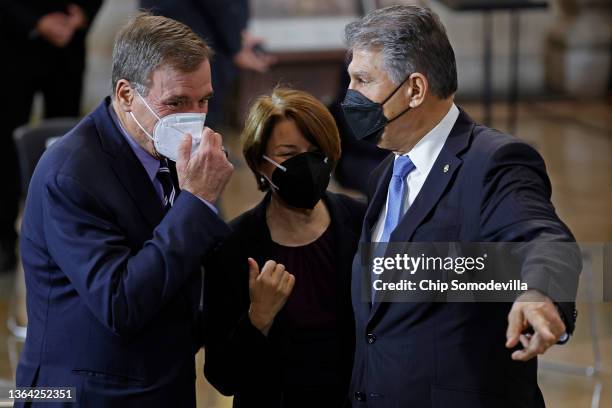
(113, 236)
(43, 45)
(223, 24)
(278, 289)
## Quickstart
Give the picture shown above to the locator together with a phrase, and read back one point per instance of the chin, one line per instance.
(383, 143)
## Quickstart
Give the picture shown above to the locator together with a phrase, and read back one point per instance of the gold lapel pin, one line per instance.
(446, 168)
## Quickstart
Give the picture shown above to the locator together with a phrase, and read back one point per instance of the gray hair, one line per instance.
(147, 42)
(411, 39)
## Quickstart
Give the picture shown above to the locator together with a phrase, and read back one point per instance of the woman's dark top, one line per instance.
(306, 360)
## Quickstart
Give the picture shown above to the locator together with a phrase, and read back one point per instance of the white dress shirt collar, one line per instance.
(426, 151)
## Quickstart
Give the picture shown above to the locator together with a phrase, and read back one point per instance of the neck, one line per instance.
(433, 111)
(294, 218)
(295, 226)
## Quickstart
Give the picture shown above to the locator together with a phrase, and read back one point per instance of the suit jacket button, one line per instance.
(371, 338)
(360, 396)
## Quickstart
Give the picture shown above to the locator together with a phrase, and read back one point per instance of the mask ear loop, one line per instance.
(147, 104)
(395, 90)
(283, 168)
(141, 127)
(274, 186)
(389, 97)
(151, 110)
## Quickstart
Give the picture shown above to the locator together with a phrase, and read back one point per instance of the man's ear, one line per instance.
(124, 95)
(416, 90)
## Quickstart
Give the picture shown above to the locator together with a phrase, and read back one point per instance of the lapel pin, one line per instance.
(446, 167)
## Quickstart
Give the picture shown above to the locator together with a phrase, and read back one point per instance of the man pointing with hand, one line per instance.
(113, 238)
(449, 180)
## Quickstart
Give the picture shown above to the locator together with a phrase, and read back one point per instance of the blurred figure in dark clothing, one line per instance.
(223, 24)
(43, 44)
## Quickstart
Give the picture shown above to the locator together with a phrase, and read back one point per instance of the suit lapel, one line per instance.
(127, 167)
(441, 174)
(377, 200)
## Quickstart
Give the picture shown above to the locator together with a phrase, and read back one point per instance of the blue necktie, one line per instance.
(395, 202)
(396, 196)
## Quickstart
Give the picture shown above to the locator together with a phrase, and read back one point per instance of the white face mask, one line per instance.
(170, 131)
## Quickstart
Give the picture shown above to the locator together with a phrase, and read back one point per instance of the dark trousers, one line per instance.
(29, 67)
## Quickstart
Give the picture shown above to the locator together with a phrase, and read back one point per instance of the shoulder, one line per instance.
(249, 219)
(490, 145)
(77, 154)
(347, 207)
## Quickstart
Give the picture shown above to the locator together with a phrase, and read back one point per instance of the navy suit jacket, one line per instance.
(443, 355)
(113, 284)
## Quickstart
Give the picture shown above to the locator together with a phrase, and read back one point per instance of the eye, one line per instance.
(288, 154)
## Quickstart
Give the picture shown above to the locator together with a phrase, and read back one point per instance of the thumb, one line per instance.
(253, 270)
(184, 150)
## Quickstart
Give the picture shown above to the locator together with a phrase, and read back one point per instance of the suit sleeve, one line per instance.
(124, 287)
(516, 207)
(227, 20)
(238, 356)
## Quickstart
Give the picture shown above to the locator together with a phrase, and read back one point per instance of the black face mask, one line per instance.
(302, 179)
(366, 117)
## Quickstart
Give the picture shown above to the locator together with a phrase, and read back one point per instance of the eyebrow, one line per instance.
(184, 98)
(360, 74)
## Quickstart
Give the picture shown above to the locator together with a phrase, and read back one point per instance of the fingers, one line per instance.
(541, 325)
(532, 346)
(211, 139)
(276, 275)
(515, 325)
(287, 283)
(184, 150)
(253, 270)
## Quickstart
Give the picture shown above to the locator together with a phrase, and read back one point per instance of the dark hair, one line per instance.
(147, 42)
(411, 39)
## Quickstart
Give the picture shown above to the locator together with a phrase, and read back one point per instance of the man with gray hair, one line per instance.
(114, 233)
(449, 180)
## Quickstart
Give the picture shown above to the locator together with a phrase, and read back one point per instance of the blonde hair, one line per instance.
(311, 117)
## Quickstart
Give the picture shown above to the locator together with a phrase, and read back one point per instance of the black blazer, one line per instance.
(240, 360)
(485, 186)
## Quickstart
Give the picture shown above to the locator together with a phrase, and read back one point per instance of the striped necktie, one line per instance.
(164, 177)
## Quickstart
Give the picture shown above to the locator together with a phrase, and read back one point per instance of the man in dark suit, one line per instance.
(111, 250)
(222, 24)
(449, 180)
(43, 46)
